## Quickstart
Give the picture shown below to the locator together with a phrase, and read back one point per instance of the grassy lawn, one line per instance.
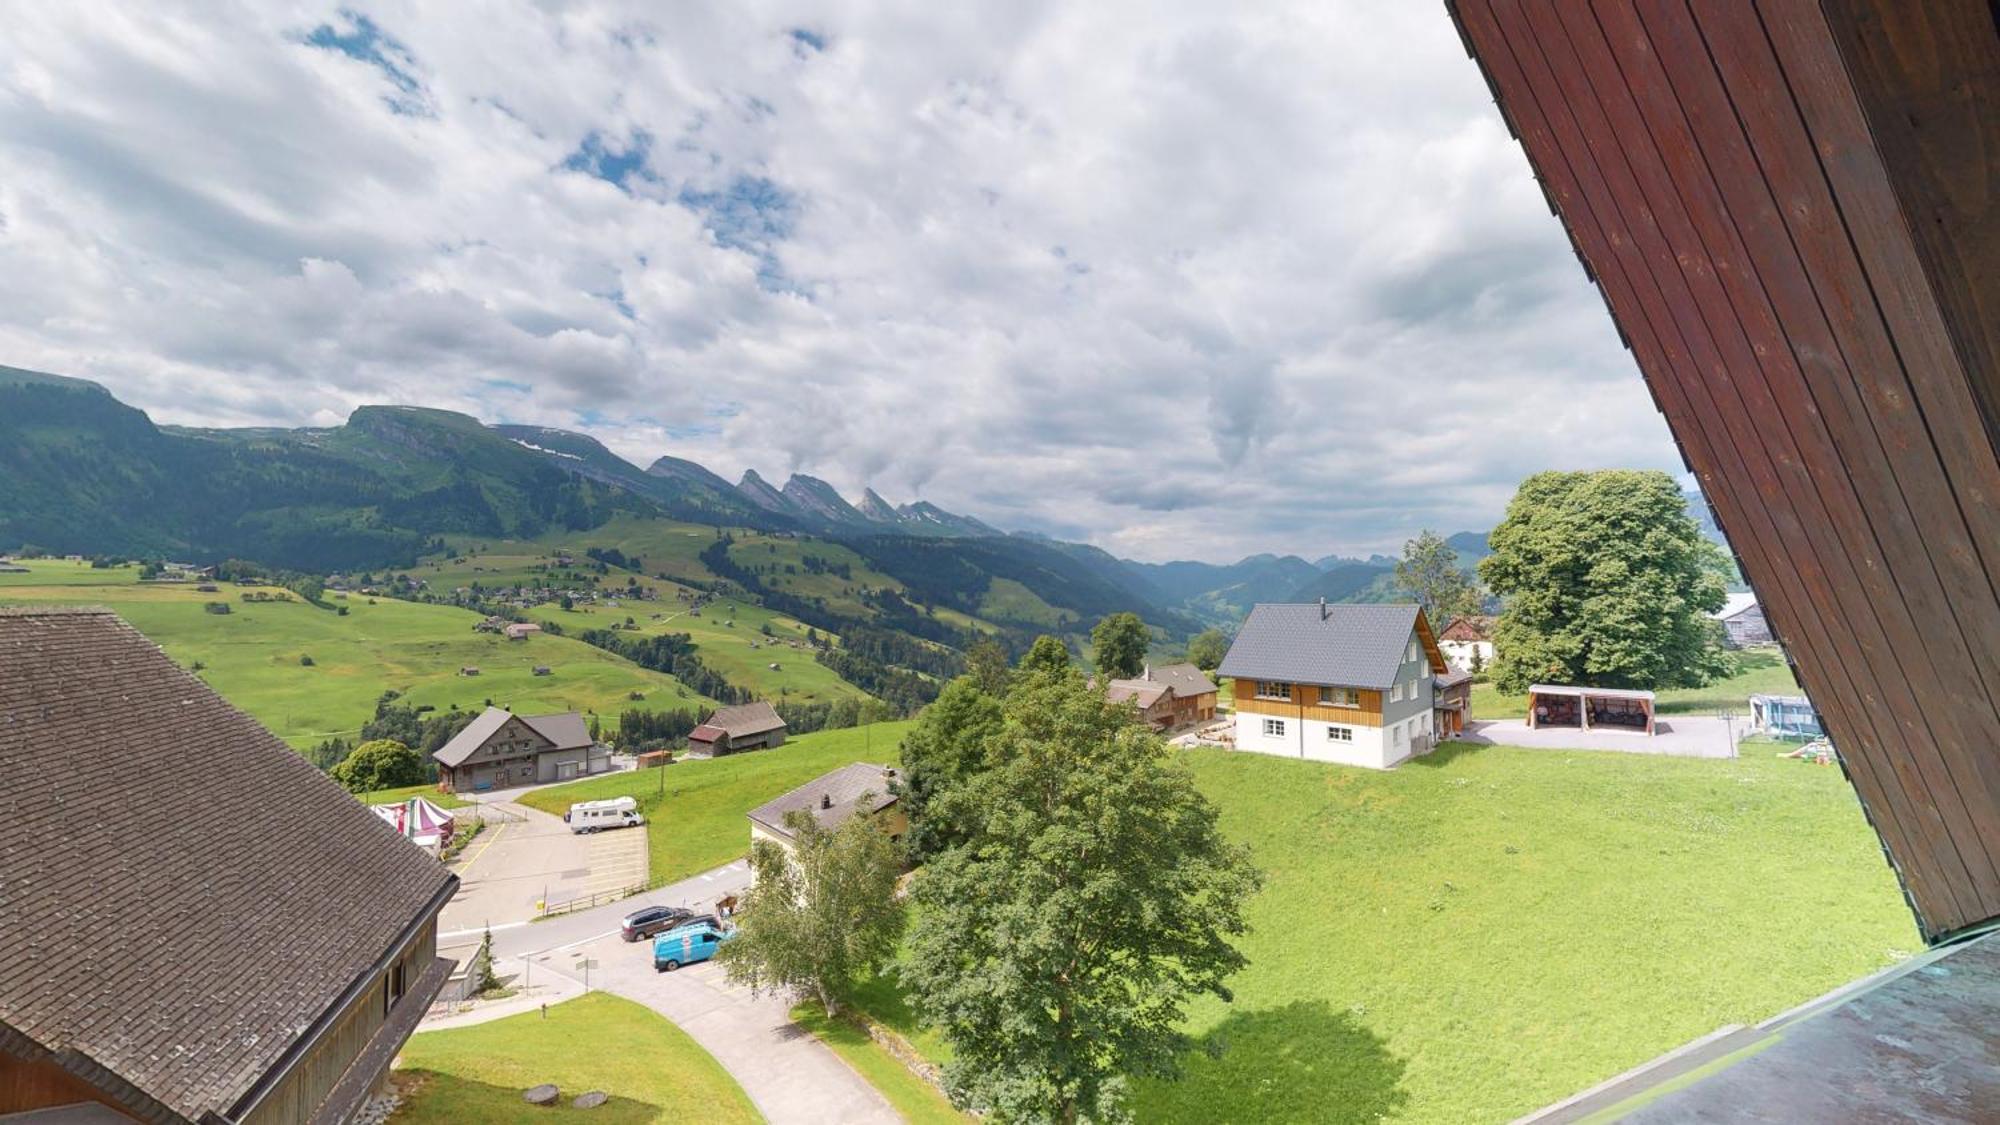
(252, 654)
(651, 1069)
(918, 1101)
(698, 821)
(1760, 671)
(1486, 931)
(428, 792)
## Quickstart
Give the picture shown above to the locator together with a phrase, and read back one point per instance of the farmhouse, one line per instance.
(1335, 683)
(239, 943)
(1173, 696)
(857, 788)
(1743, 621)
(500, 749)
(1468, 642)
(750, 726)
(521, 630)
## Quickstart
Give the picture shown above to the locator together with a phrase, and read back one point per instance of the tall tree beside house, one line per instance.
(381, 764)
(1047, 654)
(945, 749)
(1121, 641)
(986, 663)
(1429, 573)
(1207, 648)
(1057, 949)
(1607, 582)
(820, 915)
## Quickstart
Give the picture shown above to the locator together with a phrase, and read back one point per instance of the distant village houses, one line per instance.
(1168, 697)
(1468, 642)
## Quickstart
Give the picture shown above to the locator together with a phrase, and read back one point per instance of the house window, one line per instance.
(1340, 734)
(1412, 658)
(1274, 728)
(1269, 690)
(1339, 697)
(1395, 693)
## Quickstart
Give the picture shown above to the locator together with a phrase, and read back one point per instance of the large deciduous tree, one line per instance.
(1121, 641)
(381, 764)
(1047, 654)
(986, 663)
(946, 748)
(1207, 648)
(1057, 948)
(1607, 582)
(1429, 572)
(820, 916)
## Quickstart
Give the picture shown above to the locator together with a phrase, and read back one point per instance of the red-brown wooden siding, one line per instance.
(1793, 210)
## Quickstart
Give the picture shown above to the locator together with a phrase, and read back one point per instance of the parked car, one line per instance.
(688, 945)
(646, 922)
(596, 816)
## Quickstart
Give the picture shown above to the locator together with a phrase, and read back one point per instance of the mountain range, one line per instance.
(81, 472)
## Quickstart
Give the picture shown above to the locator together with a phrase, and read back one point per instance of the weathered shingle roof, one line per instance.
(842, 791)
(565, 730)
(1142, 693)
(1187, 680)
(181, 894)
(1339, 645)
(746, 719)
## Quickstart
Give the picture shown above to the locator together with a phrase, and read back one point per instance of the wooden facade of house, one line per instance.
(1792, 208)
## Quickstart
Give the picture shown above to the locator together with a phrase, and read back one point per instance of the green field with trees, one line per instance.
(253, 653)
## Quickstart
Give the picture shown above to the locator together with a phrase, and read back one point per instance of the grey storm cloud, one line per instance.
(1185, 280)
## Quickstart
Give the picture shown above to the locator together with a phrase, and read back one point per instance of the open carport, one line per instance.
(1588, 708)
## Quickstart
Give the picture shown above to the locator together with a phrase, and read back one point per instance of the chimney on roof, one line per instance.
(1322, 607)
(826, 800)
(1147, 672)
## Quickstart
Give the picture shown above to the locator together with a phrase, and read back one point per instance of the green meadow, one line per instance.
(1488, 930)
(252, 655)
(653, 1071)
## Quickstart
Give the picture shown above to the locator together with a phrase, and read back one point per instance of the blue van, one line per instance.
(687, 945)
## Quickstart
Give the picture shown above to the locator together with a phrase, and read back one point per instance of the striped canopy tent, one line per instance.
(1591, 708)
(426, 825)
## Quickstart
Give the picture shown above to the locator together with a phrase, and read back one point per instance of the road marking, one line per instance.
(465, 864)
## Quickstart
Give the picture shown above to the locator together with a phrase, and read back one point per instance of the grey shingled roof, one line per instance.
(746, 719)
(844, 787)
(181, 894)
(565, 730)
(1346, 646)
(1187, 680)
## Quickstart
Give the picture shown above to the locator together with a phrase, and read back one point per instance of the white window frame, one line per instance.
(1283, 692)
(1396, 693)
(1413, 652)
(1339, 697)
(1340, 734)
(1274, 728)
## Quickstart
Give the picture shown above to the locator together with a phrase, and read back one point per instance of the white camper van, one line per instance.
(596, 816)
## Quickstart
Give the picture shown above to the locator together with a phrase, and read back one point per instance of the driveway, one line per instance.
(523, 856)
(789, 1075)
(1679, 736)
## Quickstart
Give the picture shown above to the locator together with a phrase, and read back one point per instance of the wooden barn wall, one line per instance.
(1789, 206)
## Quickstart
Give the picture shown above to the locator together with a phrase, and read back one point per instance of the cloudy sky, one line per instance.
(1185, 280)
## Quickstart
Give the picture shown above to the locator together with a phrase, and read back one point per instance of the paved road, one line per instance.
(791, 1076)
(1680, 736)
(509, 868)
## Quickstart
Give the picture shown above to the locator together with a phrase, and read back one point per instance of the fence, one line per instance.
(585, 902)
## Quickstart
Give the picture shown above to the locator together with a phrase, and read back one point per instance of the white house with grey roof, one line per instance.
(1350, 684)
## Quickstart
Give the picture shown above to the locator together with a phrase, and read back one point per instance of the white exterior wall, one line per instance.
(1460, 653)
(1372, 747)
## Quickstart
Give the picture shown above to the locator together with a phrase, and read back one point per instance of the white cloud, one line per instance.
(1182, 280)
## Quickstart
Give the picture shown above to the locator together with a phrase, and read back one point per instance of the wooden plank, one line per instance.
(1745, 493)
(1883, 441)
(1927, 76)
(1735, 375)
